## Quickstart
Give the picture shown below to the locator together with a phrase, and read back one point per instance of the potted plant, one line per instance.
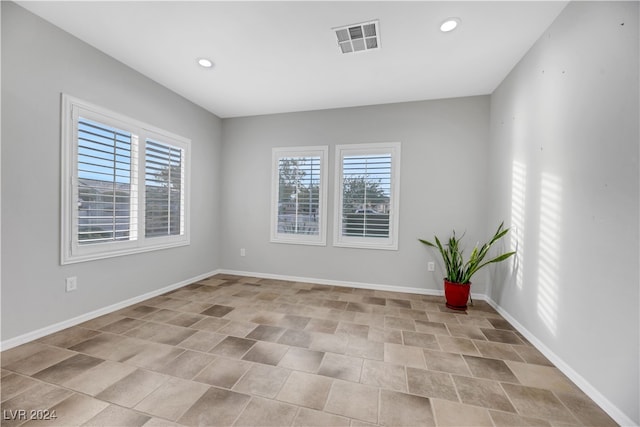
(457, 283)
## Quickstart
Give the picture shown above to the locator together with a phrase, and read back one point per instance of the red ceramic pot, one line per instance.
(456, 295)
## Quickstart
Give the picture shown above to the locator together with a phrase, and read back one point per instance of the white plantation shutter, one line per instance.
(107, 181)
(164, 190)
(105, 203)
(367, 195)
(366, 187)
(299, 195)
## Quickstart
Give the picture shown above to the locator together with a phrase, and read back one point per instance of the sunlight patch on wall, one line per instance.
(549, 250)
(518, 196)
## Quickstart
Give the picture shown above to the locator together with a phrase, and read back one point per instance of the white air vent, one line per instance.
(359, 37)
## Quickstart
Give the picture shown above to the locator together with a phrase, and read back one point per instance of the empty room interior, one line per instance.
(212, 213)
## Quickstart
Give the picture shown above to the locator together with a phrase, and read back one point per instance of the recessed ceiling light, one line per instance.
(204, 62)
(449, 25)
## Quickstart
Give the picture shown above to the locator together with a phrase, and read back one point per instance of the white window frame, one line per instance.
(302, 239)
(71, 251)
(385, 243)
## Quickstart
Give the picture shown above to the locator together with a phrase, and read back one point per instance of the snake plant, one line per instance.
(459, 271)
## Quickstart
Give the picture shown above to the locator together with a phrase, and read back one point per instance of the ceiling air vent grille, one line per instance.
(359, 37)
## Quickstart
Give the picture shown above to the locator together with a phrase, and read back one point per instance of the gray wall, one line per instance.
(567, 118)
(39, 61)
(443, 185)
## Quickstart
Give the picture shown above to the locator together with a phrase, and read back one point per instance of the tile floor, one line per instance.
(244, 351)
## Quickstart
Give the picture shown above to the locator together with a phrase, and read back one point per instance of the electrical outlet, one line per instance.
(431, 266)
(243, 252)
(71, 283)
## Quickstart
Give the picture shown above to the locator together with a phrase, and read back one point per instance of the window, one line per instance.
(366, 198)
(108, 207)
(299, 194)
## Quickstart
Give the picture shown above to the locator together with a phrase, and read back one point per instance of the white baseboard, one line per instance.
(613, 411)
(34, 335)
(329, 282)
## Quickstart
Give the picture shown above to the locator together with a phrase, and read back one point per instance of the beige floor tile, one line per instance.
(152, 356)
(187, 365)
(172, 398)
(123, 325)
(99, 378)
(352, 400)
(531, 355)
(492, 369)
(311, 418)
(296, 338)
(306, 390)
(265, 413)
(420, 339)
(185, 319)
(538, 403)
(435, 328)
(117, 416)
(262, 380)
(457, 345)
(233, 347)
(342, 367)
(585, 409)
(465, 331)
(447, 318)
(400, 357)
(329, 343)
(291, 321)
(266, 333)
(365, 348)
(393, 322)
(499, 335)
(161, 333)
(130, 390)
(14, 384)
(401, 409)
(267, 353)
(321, 325)
(39, 397)
(21, 352)
(485, 393)
(202, 341)
(67, 369)
(452, 414)
(223, 372)
(109, 346)
(217, 311)
(213, 324)
(546, 377)
(404, 355)
(217, 407)
(101, 321)
(506, 419)
(69, 337)
(384, 375)
(46, 357)
(73, 411)
(431, 384)
(301, 359)
(496, 350)
(446, 362)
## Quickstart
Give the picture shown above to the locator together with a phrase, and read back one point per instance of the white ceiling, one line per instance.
(273, 57)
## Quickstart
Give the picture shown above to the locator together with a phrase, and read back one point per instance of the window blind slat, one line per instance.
(105, 183)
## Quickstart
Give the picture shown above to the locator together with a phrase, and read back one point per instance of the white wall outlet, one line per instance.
(71, 283)
(431, 266)
(243, 252)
